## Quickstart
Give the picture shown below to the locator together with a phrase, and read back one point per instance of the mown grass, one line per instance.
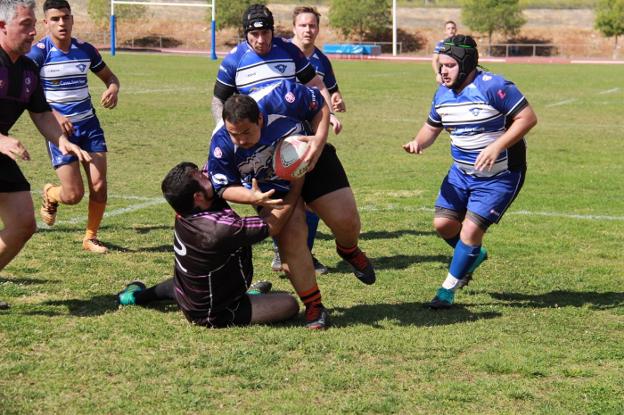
(538, 331)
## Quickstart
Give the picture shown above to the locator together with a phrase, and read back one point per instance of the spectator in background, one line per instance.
(450, 29)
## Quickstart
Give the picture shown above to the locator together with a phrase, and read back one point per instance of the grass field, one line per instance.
(540, 329)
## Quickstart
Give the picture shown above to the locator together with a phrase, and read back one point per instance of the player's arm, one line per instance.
(320, 126)
(222, 91)
(109, 96)
(317, 83)
(51, 130)
(254, 196)
(277, 218)
(425, 137)
(521, 124)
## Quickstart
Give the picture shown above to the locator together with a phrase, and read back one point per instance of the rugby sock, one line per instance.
(54, 194)
(463, 258)
(311, 296)
(162, 291)
(343, 251)
(452, 241)
(96, 213)
(312, 220)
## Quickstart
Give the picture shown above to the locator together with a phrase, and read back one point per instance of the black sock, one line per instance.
(162, 291)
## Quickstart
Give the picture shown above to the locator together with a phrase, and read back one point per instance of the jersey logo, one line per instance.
(487, 77)
(475, 111)
(81, 67)
(220, 179)
(178, 246)
(501, 94)
(40, 45)
(290, 97)
(281, 67)
(217, 152)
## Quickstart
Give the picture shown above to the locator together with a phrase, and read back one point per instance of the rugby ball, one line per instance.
(288, 158)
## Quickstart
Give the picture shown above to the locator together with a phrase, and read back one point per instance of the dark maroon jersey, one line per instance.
(213, 264)
(20, 89)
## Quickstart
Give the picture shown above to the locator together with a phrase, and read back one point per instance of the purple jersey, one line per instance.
(213, 266)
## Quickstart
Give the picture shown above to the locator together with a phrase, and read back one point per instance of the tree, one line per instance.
(230, 13)
(489, 16)
(610, 20)
(99, 12)
(363, 18)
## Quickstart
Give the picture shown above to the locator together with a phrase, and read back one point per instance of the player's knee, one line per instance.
(445, 227)
(291, 307)
(72, 196)
(22, 229)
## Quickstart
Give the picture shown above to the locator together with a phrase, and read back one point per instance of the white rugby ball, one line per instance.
(288, 158)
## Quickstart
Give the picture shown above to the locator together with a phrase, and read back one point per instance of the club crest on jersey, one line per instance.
(40, 45)
(81, 67)
(217, 152)
(220, 179)
(487, 77)
(290, 97)
(281, 67)
(501, 94)
(475, 111)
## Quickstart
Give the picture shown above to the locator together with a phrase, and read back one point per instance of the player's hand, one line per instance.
(337, 103)
(66, 125)
(486, 159)
(13, 148)
(335, 123)
(413, 147)
(264, 198)
(67, 147)
(109, 97)
(316, 146)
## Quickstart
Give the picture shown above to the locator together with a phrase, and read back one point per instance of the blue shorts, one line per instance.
(88, 135)
(488, 197)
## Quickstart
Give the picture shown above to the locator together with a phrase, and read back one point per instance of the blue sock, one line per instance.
(463, 258)
(452, 241)
(312, 221)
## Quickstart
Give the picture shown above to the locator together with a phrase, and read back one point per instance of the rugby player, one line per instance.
(63, 63)
(487, 118)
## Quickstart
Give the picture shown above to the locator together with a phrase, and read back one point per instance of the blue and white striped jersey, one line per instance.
(286, 107)
(324, 70)
(64, 76)
(247, 71)
(476, 117)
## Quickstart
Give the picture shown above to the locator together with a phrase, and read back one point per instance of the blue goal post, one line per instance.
(213, 25)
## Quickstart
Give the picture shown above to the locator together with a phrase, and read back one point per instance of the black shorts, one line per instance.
(11, 177)
(236, 314)
(328, 175)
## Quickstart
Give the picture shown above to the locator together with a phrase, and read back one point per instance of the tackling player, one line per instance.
(487, 118)
(63, 66)
(213, 262)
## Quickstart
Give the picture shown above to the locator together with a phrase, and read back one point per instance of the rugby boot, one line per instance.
(48, 207)
(259, 287)
(362, 267)
(319, 268)
(94, 245)
(443, 299)
(126, 297)
(317, 317)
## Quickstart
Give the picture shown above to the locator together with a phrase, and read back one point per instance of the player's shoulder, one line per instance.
(40, 48)
(488, 79)
(288, 46)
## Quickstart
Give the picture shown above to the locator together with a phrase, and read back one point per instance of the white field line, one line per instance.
(609, 91)
(564, 102)
(393, 208)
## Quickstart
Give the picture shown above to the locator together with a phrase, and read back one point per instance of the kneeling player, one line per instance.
(487, 117)
(213, 265)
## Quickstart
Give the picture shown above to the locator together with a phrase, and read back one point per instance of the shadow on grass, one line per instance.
(558, 298)
(405, 314)
(393, 262)
(365, 236)
(27, 281)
